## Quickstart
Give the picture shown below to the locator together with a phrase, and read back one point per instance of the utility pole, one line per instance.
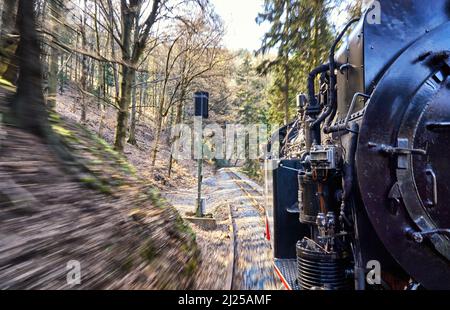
(201, 101)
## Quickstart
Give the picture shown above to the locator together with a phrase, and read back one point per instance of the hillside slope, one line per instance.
(183, 173)
(117, 226)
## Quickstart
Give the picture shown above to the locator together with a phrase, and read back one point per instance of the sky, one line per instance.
(241, 29)
(239, 17)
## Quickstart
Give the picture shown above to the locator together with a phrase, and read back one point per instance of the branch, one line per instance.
(147, 27)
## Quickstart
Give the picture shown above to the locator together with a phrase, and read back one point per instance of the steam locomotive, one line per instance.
(358, 185)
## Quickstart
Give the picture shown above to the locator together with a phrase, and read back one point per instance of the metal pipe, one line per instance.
(312, 101)
(322, 116)
(344, 126)
(326, 113)
(352, 106)
(313, 109)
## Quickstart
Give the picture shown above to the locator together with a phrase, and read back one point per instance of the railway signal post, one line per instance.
(201, 102)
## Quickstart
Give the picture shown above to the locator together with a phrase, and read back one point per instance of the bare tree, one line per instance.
(132, 40)
(56, 9)
(84, 65)
(202, 53)
(28, 106)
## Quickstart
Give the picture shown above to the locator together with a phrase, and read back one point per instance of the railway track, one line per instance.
(231, 281)
(239, 240)
(249, 191)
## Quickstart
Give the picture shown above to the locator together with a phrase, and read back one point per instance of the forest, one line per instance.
(90, 91)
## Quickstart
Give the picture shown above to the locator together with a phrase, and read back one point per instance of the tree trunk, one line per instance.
(132, 138)
(142, 95)
(113, 54)
(128, 76)
(84, 70)
(28, 106)
(52, 78)
(157, 138)
(63, 73)
(159, 120)
(286, 93)
(178, 120)
(286, 68)
(77, 60)
(91, 74)
(55, 7)
(8, 41)
(72, 60)
(9, 14)
(124, 103)
(101, 66)
(102, 119)
(130, 58)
